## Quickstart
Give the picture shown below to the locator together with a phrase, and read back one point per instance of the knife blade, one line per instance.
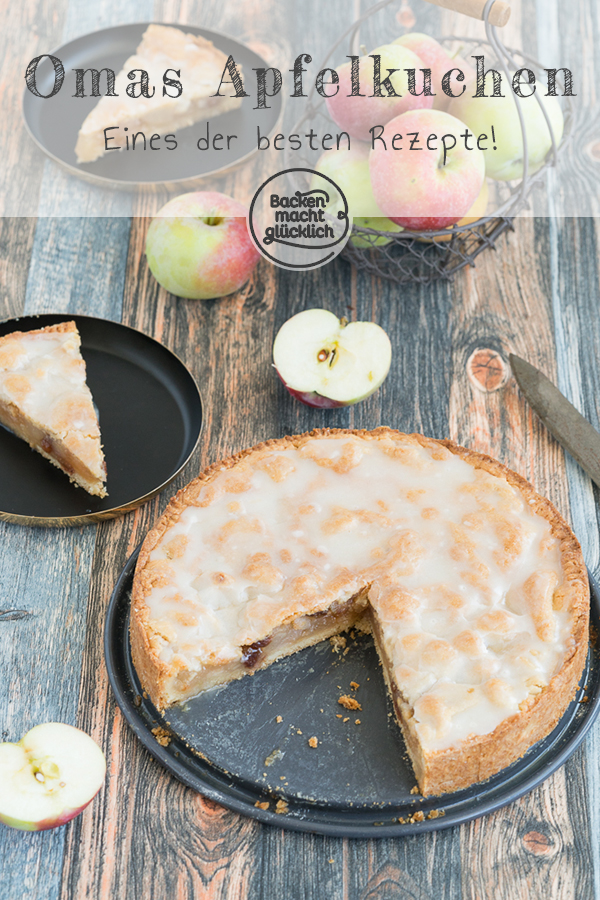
(560, 417)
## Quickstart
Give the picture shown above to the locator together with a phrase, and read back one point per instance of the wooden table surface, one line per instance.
(147, 836)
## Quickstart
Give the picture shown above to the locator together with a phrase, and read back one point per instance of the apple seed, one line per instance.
(322, 355)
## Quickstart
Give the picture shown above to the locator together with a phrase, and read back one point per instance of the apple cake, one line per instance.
(473, 585)
(162, 47)
(44, 399)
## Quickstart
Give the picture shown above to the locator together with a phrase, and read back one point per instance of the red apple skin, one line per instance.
(196, 260)
(315, 400)
(47, 824)
(412, 188)
(434, 57)
(311, 398)
(357, 115)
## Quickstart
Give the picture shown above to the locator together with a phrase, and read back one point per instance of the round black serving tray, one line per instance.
(150, 416)
(228, 745)
(54, 123)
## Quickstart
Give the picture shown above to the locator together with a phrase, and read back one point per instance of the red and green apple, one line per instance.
(49, 776)
(417, 189)
(328, 362)
(357, 114)
(198, 246)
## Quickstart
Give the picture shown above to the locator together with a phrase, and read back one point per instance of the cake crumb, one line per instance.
(313, 742)
(162, 736)
(298, 731)
(282, 777)
(263, 805)
(415, 789)
(275, 754)
(347, 650)
(419, 816)
(349, 702)
(338, 642)
(347, 719)
(338, 715)
(281, 807)
(330, 860)
(354, 685)
(357, 721)
(435, 813)
(279, 718)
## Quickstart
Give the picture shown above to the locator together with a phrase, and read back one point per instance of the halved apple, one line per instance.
(328, 362)
(49, 776)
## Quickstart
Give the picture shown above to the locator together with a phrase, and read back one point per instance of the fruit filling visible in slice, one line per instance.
(45, 400)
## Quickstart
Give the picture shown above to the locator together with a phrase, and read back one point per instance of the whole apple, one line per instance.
(350, 170)
(505, 162)
(327, 362)
(48, 777)
(434, 57)
(358, 114)
(414, 187)
(198, 246)
(477, 211)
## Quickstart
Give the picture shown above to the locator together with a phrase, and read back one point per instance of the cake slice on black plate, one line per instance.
(44, 399)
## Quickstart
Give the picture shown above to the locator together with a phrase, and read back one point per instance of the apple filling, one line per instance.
(53, 448)
(301, 632)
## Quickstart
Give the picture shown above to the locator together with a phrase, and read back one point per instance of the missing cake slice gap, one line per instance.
(473, 585)
(45, 400)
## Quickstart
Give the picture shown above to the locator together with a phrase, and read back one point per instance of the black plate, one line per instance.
(54, 122)
(150, 417)
(358, 781)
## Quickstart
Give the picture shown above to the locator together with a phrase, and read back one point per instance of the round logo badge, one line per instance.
(299, 219)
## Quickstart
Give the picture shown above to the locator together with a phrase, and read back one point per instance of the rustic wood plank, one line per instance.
(574, 262)
(75, 266)
(16, 242)
(63, 194)
(26, 30)
(505, 305)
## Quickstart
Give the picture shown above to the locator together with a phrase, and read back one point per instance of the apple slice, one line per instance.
(49, 777)
(327, 362)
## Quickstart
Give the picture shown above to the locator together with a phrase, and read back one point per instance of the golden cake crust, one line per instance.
(49, 404)
(474, 759)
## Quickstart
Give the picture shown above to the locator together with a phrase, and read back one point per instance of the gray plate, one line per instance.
(358, 781)
(54, 122)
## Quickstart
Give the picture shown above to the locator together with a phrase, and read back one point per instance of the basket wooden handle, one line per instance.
(499, 13)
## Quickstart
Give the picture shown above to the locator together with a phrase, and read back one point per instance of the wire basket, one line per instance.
(426, 256)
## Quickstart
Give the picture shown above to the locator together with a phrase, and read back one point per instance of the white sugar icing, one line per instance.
(462, 572)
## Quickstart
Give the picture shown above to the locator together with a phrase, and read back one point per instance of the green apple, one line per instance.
(505, 163)
(350, 170)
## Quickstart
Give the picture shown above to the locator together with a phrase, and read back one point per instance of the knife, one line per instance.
(560, 417)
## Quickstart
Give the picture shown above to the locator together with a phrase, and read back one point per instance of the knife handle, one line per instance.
(499, 12)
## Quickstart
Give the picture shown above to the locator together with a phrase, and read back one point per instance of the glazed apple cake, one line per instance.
(474, 587)
(200, 65)
(44, 399)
